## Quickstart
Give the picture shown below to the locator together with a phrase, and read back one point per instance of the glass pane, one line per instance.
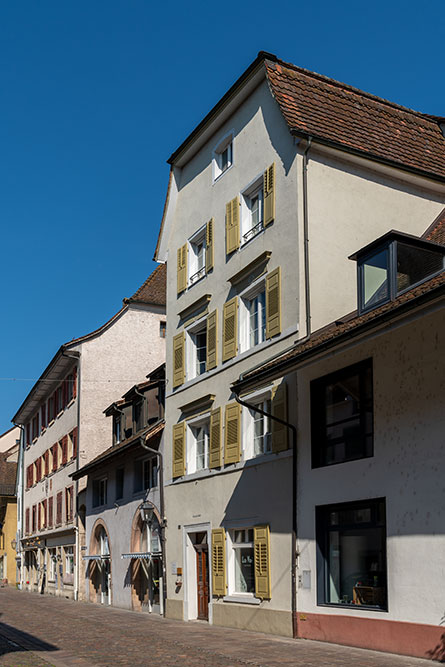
(201, 352)
(375, 279)
(244, 572)
(415, 264)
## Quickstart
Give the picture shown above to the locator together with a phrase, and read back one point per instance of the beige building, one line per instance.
(8, 510)
(64, 429)
(287, 176)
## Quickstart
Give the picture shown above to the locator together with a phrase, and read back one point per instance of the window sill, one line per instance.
(219, 177)
(241, 598)
(358, 607)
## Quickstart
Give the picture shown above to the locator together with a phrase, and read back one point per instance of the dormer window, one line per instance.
(393, 264)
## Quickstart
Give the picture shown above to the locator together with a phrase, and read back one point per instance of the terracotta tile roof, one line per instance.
(436, 231)
(340, 114)
(147, 434)
(349, 325)
(153, 290)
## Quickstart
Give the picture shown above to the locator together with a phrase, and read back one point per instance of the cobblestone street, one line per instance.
(37, 630)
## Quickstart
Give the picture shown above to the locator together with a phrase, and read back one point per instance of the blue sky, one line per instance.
(95, 96)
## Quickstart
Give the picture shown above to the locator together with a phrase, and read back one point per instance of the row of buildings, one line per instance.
(255, 439)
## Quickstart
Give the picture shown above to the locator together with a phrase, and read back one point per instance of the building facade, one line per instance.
(8, 513)
(369, 470)
(267, 199)
(123, 551)
(63, 429)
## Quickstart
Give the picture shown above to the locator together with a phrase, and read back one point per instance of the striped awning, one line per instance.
(97, 557)
(142, 554)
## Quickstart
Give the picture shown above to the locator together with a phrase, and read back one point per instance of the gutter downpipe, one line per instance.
(288, 425)
(163, 519)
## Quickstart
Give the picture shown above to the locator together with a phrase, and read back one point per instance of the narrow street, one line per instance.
(36, 631)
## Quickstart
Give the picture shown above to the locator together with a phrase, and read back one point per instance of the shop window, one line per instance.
(342, 415)
(351, 554)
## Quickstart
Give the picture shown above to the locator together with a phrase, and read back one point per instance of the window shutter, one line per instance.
(39, 524)
(262, 561)
(209, 245)
(273, 303)
(215, 453)
(269, 194)
(27, 521)
(230, 329)
(178, 359)
(50, 512)
(182, 268)
(219, 561)
(55, 461)
(232, 225)
(212, 340)
(179, 449)
(279, 409)
(59, 502)
(74, 437)
(232, 433)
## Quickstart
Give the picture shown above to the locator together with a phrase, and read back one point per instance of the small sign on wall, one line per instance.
(173, 568)
(306, 579)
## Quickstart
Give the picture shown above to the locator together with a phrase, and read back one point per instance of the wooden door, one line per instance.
(202, 576)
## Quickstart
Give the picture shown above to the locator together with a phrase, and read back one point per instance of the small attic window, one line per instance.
(393, 264)
(223, 156)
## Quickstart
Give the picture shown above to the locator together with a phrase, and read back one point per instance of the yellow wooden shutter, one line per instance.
(178, 359)
(179, 449)
(230, 329)
(215, 453)
(232, 433)
(209, 245)
(219, 561)
(261, 543)
(232, 225)
(212, 340)
(182, 268)
(269, 194)
(273, 303)
(279, 409)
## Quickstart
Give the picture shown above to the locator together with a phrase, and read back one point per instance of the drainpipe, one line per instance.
(293, 431)
(306, 242)
(163, 522)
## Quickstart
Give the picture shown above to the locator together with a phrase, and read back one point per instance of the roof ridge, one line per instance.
(345, 86)
(143, 293)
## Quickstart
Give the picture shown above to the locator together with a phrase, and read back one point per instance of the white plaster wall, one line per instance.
(8, 439)
(407, 469)
(349, 206)
(110, 364)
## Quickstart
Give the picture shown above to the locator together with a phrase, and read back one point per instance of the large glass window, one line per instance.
(351, 554)
(257, 319)
(244, 566)
(376, 279)
(342, 415)
(415, 264)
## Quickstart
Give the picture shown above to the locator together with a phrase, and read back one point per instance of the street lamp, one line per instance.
(147, 513)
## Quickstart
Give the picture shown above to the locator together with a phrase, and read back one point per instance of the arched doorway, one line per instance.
(146, 565)
(99, 566)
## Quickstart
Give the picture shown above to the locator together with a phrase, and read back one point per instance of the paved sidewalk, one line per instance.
(37, 631)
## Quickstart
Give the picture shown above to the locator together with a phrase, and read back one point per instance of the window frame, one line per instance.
(231, 548)
(244, 315)
(150, 462)
(227, 141)
(318, 412)
(322, 513)
(191, 357)
(249, 231)
(195, 273)
(191, 456)
(119, 484)
(102, 493)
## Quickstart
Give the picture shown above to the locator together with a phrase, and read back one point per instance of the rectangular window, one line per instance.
(196, 353)
(69, 388)
(120, 483)
(28, 434)
(223, 156)
(342, 415)
(243, 561)
(257, 319)
(145, 475)
(50, 512)
(252, 217)
(43, 417)
(138, 415)
(59, 399)
(201, 445)
(351, 554)
(162, 329)
(59, 503)
(99, 492)
(35, 426)
(44, 513)
(69, 507)
(69, 561)
(34, 518)
(262, 438)
(197, 257)
(117, 428)
(52, 555)
(51, 409)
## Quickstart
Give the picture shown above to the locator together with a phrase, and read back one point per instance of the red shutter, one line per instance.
(74, 439)
(50, 512)
(54, 450)
(75, 382)
(59, 502)
(64, 449)
(27, 521)
(45, 513)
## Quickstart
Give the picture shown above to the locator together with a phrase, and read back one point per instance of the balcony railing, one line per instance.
(253, 232)
(198, 275)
